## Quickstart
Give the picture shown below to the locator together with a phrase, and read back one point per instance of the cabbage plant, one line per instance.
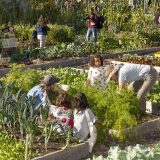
(138, 152)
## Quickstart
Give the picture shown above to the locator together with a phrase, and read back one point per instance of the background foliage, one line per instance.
(122, 28)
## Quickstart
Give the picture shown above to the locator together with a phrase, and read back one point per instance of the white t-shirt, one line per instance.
(95, 76)
(133, 72)
(83, 122)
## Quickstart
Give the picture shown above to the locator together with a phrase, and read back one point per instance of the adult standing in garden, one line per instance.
(43, 91)
(140, 78)
(157, 18)
(92, 20)
(41, 30)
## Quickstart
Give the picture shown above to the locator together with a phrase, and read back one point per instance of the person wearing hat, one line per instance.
(42, 91)
(140, 78)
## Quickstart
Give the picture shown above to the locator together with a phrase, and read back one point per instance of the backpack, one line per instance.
(100, 22)
(34, 34)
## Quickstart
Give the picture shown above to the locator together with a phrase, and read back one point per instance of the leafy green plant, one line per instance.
(109, 41)
(67, 75)
(24, 79)
(151, 35)
(18, 112)
(154, 94)
(48, 126)
(131, 153)
(29, 119)
(10, 148)
(23, 32)
(120, 111)
(8, 109)
(60, 50)
(60, 33)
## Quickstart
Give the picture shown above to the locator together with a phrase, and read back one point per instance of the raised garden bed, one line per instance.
(73, 61)
(76, 152)
(90, 95)
(153, 108)
(149, 60)
(140, 131)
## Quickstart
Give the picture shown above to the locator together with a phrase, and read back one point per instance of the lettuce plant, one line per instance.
(10, 148)
(154, 94)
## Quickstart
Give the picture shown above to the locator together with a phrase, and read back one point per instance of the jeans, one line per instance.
(92, 31)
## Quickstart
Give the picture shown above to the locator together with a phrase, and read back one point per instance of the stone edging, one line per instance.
(153, 108)
(139, 131)
(79, 61)
(76, 152)
(139, 52)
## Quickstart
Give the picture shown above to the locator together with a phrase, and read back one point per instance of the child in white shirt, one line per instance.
(95, 73)
(84, 120)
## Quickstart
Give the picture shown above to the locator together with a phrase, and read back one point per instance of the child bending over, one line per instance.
(84, 119)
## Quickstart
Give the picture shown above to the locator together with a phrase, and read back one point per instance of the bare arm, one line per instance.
(121, 85)
(89, 76)
(46, 98)
(58, 89)
(88, 82)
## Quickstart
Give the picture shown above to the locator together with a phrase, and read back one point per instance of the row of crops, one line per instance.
(153, 59)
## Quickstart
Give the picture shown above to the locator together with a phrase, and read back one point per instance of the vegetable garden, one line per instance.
(119, 111)
(21, 134)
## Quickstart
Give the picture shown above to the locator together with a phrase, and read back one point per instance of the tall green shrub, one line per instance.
(23, 32)
(60, 33)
